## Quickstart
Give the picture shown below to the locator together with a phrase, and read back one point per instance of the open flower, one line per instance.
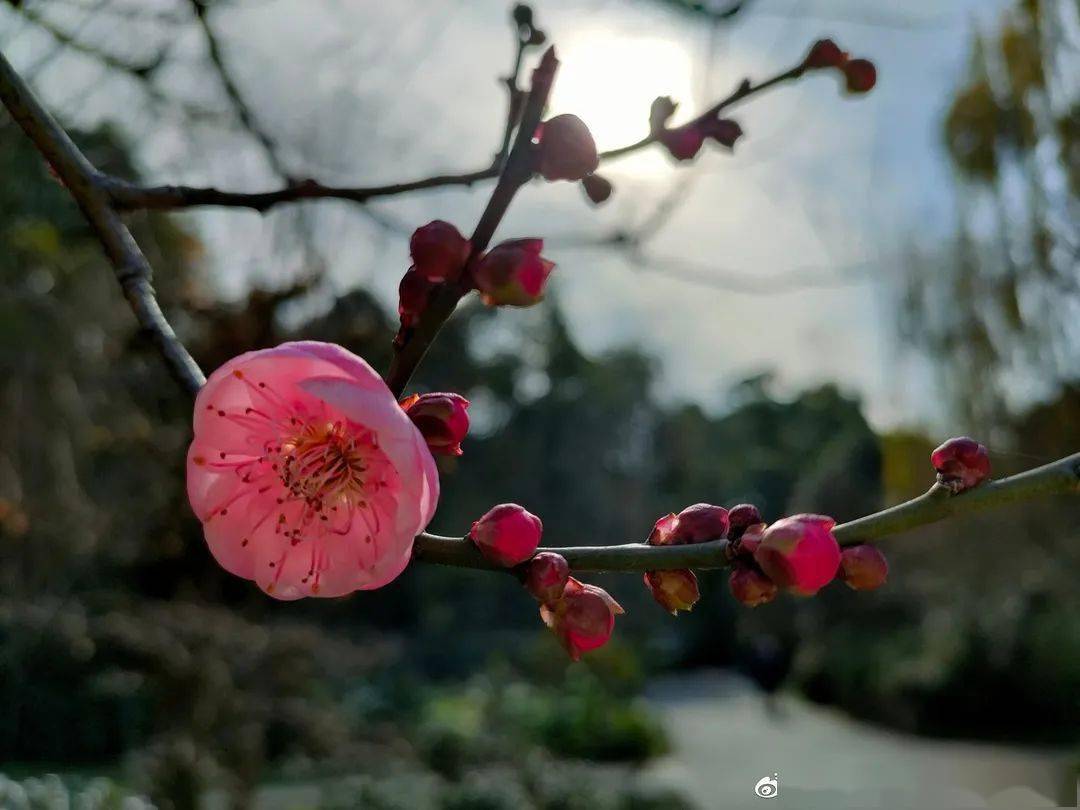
(799, 553)
(307, 475)
(583, 618)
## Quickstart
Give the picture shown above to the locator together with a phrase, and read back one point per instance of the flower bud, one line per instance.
(702, 522)
(750, 586)
(747, 544)
(799, 553)
(663, 107)
(567, 149)
(683, 142)
(863, 568)
(663, 531)
(507, 534)
(673, 590)
(413, 293)
(740, 517)
(513, 273)
(961, 463)
(438, 251)
(722, 130)
(583, 617)
(825, 54)
(442, 420)
(523, 15)
(547, 576)
(860, 75)
(597, 188)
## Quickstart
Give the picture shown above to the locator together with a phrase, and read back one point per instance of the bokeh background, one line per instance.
(795, 325)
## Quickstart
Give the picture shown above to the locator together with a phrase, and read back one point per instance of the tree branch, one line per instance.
(82, 181)
(1058, 477)
(516, 173)
(130, 196)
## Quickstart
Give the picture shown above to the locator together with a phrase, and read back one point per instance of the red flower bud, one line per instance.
(701, 522)
(863, 568)
(673, 590)
(961, 463)
(413, 293)
(740, 517)
(750, 586)
(660, 112)
(683, 142)
(750, 539)
(547, 577)
(507, 534)
(722, 130)
(438, 250)
(861, 75)
(799, 553)
(567, 149)
(597, 188)
(441, 419)
(663, 532)
(513, 273)
(583, 617)
(825, 54)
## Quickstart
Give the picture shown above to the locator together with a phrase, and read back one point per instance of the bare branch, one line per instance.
(516, 173)
(1058, 477)
(82, 181)
(232, 90)
(167, 197)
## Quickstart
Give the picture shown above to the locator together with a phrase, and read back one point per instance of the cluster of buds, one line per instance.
(961, 463)
(513, 273)
(860, 75)
(684, 142)
(565, 150)
(798, 554)
(677, 590)
(581, 616)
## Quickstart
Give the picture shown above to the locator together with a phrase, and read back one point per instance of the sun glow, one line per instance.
(610, 80)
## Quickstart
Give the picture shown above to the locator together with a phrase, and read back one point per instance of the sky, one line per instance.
(785, 256)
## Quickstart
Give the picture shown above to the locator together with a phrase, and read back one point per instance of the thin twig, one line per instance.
(1058, 477)
(81, 179)
(247, 117)
(516, 173)
(127, 196)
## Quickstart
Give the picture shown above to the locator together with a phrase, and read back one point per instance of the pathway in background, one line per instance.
(726, 741)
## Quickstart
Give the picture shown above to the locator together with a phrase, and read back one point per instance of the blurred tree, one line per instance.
(1000, 311)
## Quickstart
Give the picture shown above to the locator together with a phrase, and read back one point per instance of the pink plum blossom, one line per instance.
(799, 553)
(307, 475)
